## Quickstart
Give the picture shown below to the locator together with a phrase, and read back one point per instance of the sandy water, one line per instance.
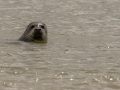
(83, 49)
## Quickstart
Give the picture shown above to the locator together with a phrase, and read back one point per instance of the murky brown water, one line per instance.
(83, 49)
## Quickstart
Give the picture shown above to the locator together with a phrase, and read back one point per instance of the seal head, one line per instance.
(35, 32)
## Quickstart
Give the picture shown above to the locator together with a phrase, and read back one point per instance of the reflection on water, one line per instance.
(82, 52)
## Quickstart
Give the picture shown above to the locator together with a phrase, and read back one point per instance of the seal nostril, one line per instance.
(37, 29)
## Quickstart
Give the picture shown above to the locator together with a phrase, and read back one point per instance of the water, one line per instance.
(83, 46)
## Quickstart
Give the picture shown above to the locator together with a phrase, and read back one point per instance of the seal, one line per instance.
(35, 32)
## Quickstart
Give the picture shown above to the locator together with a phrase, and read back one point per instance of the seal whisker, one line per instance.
(45, 38)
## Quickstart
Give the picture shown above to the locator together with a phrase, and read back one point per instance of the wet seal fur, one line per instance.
(35, 32)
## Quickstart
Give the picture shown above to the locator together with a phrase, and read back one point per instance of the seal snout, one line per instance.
(37, 30)
(37, 27)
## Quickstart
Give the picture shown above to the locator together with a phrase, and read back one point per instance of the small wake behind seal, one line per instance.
(35, 32)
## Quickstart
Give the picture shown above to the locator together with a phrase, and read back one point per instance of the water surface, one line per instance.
(83, 46)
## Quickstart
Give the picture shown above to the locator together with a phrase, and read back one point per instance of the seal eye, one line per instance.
(42, 27)
(32, 26)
